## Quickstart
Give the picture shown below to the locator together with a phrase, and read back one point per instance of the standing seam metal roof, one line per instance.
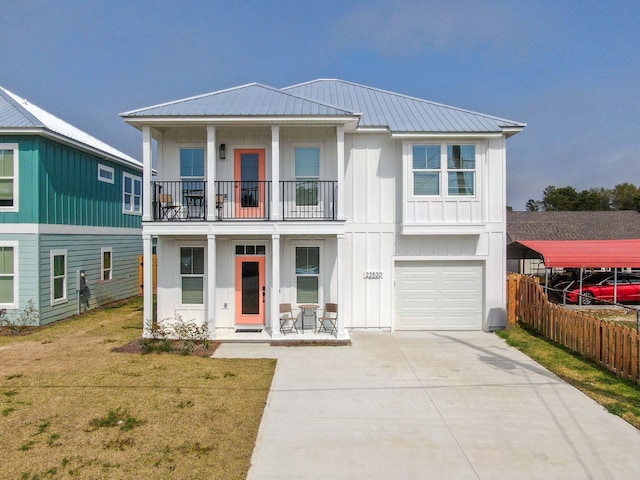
(246, 100)
(400, 113)
(18, 113)
(376, 108)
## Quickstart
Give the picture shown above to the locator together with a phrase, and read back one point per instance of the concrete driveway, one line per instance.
(441, 405)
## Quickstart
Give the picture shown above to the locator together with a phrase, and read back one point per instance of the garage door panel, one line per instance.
(438, 295)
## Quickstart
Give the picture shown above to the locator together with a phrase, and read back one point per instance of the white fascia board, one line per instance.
(372, 130)
(44, 132)
(316, 229)
(419, 135)
(511, 131)
(138, 122)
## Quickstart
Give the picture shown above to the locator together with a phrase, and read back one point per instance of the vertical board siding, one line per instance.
(27, 178)
(72, 193)
(84, 253)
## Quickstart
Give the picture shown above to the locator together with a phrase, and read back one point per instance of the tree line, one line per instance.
(624, 196)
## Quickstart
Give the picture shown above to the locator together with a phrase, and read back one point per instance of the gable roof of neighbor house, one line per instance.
(19, 116)
(372, 107)
(576, 239)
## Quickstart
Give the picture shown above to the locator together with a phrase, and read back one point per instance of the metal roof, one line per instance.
(247, 100)
(376, 108)
(587, 253)
(399, 113)
(17, 115)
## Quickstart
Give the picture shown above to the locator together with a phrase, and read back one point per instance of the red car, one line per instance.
(600, 286)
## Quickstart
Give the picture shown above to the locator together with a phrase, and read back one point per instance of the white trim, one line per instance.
(134, 179)
(110, 170)
(16, 176)
(63, 299)
(321, 274)
(452, 136)
(50, 229)
(16, 275)
(202, 275)
(104, 250)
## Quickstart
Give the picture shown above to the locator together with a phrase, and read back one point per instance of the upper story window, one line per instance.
(131, 194)
(444, 168)
(105, 174)
(307, 173)
(8, 275)
(192, 162)
(9, 177)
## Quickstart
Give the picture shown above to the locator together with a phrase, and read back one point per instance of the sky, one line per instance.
(569, 69)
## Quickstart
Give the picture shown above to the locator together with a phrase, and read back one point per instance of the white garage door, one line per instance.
(438, 295)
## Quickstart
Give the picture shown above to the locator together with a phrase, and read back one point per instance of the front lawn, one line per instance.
(72, 407)
(620, 397)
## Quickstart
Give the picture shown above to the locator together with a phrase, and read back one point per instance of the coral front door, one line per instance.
(250, 187)
(250, 290)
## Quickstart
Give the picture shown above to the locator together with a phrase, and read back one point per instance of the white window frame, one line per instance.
(104, 250)
(110, 170)
(319, 275)
(15, 275)
(444, 170)
(193, 275)
(65, 277)
(134, 179)
(16, 179)
(301, 145)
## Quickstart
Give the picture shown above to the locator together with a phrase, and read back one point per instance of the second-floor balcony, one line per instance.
(187, 200)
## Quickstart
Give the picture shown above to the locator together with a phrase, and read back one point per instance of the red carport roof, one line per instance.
(587, 253)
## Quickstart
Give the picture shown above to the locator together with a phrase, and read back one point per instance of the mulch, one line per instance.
(136, 347)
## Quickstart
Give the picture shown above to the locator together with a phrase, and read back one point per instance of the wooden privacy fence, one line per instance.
(613, 346)
(141, 274)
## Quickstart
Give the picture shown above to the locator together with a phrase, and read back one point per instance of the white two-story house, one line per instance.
(390, 206)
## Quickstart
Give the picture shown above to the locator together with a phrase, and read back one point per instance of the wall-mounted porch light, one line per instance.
(222, 151)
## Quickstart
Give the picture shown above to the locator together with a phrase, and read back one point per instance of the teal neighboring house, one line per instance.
(70, 215)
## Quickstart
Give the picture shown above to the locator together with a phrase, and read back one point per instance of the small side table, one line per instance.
(309, 311)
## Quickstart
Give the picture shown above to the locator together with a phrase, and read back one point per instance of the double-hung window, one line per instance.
(192, 275)
(449, 168)
(131, 194)
(307, 274)
(461, 169)
(8, 177)
(307, 165)
(106, 266)
(58, 276)
(8, 276)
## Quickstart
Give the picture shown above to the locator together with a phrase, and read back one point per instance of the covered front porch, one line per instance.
(235, 284)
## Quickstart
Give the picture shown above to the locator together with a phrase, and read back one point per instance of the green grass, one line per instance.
(620, 397)
(71, 407)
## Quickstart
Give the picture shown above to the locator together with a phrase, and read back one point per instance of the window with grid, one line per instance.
(307, 274)
(307, 165)
(7, 277)
(131, 194)
(192, 275)
(455, 172)
(8, 176)
(58, 276)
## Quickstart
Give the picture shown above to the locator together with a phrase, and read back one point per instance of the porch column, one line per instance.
(147, 173)
(274, 296)
(211, 286)
(275, 173)
(211, 174)
(147, 281)
(340, 166)
(341, 298)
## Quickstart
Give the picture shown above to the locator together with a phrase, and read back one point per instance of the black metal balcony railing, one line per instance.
(308, 200)
(187, 200)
